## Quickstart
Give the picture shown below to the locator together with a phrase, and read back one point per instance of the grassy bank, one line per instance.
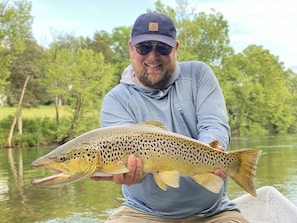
(39, 125)
(40, 112)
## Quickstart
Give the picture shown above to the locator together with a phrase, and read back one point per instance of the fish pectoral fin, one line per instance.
(167, 177)
(214, 144)
(114, 168)
(210, 181)
(159, 182)
(101, 174)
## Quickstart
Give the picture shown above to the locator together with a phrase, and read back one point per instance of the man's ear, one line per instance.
(177, 44)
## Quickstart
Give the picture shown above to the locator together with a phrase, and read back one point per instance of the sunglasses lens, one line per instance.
(145, 48)
(163, 49)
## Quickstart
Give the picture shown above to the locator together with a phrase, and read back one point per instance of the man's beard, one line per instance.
(149, 80)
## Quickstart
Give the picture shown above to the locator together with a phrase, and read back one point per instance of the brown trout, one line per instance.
(165, 154)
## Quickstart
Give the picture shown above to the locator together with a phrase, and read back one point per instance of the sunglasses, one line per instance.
(146, 47)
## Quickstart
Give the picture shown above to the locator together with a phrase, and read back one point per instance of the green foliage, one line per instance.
(15, 27)
(90, 82)
(260, 93)
(164, 9)
(4, 71)
(79, 78)
(204, 38)
(257, 94)
(99, 44)
(119, 44)
(36, 131)
(4, 127)
(27, 63)
(16, 23)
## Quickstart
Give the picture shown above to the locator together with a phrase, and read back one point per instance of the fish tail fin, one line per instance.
(245, 174)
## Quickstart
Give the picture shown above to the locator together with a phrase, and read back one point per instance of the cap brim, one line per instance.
(154, 37)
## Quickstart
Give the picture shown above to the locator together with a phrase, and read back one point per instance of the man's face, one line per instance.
(154, 68)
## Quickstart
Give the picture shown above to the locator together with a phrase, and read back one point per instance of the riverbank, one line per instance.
(38, 127)
(41, 111)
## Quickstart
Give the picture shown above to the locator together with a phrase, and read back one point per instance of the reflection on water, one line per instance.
(85, 201)
(89, 201)
(277, 166)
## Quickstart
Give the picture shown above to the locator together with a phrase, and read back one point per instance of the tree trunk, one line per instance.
(18, 114)
(57, 104)
(57, 110)
(20, 122)
(76, 115)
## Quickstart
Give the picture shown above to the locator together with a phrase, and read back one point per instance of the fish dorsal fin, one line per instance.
(156, 124)
(114, 168)
(210, 181)
(168, 178)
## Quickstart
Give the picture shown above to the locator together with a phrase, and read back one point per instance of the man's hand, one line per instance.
(218, 171)
(134, 175)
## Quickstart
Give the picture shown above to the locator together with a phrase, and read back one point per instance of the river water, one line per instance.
(88, 201)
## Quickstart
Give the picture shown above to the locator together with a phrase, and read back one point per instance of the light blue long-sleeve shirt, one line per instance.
(193, 105)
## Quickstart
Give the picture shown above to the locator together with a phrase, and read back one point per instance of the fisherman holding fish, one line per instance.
(169, 173)
(187, 98)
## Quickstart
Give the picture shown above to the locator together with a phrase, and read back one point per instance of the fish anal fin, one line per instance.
(114, 168)
(159, 182)
(210, 181)
(170, 177)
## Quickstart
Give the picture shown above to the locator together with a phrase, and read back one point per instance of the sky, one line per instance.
(271, 24)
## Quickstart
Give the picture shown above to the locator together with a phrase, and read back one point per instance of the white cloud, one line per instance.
(269, 23)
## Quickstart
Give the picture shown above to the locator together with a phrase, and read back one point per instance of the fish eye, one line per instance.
(61, 158)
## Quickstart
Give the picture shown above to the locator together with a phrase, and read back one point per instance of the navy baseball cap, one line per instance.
(154, 26)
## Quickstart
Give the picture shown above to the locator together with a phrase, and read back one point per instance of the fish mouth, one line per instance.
(65, 170)
(51, 180)
(45, 179)
(63, 174)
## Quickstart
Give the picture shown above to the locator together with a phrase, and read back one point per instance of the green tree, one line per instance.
(293, 104)
(202, 36)
(15, 27)
(100, 44)
(205, 38)
(90, 80)
(57, 75)
(164, 9)
(27, 63)
(119, 44)
(262, 92)
(80, 79)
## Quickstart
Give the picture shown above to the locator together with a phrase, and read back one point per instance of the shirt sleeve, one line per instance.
(114, 110)
(211, 109)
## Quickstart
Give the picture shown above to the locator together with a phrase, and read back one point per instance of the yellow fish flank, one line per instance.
(165, 154)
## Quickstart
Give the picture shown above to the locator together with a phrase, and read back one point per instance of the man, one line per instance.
(187, 98)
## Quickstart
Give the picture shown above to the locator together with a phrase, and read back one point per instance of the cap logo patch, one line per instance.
(153, 26)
